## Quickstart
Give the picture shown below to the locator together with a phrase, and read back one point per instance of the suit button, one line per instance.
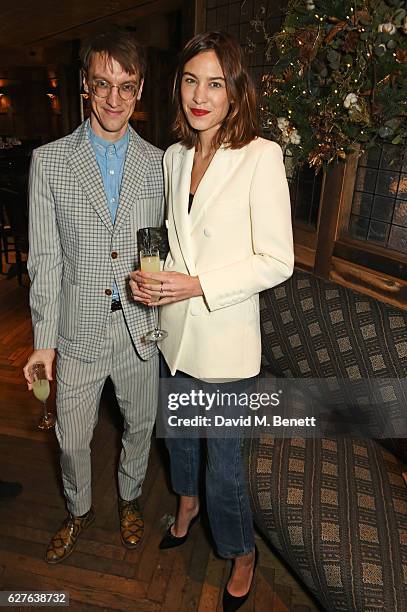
(207, 232)
(114, 255)
(108, 292)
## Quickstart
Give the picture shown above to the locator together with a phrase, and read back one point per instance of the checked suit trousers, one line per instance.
(79, 389)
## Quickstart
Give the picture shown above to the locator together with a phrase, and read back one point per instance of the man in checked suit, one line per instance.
(89, 193)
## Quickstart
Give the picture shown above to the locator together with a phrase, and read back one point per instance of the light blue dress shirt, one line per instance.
(110, 157)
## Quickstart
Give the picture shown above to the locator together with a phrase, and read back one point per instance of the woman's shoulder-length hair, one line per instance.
(241, 125)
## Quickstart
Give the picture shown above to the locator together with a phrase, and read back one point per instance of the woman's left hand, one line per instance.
(174, 287)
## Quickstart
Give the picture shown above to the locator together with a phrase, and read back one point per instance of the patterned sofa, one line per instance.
(335, 508)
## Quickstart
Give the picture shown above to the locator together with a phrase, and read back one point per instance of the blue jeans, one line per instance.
(227, 500)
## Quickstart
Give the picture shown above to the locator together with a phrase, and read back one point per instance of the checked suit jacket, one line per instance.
(75, 250)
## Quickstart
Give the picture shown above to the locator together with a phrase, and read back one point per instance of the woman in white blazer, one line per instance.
(229, 228)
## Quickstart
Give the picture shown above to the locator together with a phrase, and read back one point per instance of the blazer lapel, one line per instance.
(218, 173)
(84, 165)
(181, 183)
(136, 167)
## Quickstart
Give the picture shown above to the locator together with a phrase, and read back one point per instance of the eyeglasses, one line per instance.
(102, 89)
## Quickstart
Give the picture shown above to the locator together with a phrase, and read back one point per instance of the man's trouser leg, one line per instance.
(136, 386)
(79, 389)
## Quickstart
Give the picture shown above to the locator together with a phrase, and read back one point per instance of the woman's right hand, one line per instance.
(137, 293)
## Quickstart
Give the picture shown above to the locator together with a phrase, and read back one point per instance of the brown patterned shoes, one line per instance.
(131, 523)
(64, 541)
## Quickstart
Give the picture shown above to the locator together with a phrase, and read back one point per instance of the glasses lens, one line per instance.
(101, 89)
(127, 91)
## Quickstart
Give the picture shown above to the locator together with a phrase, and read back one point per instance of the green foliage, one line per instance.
(340, 78)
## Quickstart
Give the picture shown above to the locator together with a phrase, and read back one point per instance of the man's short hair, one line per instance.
(118, 44)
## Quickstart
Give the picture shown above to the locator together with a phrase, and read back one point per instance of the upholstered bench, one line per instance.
(335, 508)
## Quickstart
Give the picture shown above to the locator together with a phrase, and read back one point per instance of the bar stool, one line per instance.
(13, 231)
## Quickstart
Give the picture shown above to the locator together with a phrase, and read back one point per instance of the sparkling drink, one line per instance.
(150, 262)
(41, 389)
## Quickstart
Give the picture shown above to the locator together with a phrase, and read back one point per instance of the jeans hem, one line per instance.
(238, 554)
(186, 494)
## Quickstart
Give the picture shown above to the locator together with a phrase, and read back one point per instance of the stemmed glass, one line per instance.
(41, 390)
(150, 262)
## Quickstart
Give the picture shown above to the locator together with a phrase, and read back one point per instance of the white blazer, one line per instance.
(238, 240)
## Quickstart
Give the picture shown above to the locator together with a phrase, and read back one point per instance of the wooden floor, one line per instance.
(101, 574)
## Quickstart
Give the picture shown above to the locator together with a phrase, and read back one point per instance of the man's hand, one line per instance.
(45, 356)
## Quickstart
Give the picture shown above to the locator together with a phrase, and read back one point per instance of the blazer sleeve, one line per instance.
(272, 260)
(44, 258)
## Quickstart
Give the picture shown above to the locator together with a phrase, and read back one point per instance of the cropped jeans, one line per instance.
(227, 500)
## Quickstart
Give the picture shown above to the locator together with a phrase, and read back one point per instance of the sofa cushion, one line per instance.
(312, 328)
(336, 510)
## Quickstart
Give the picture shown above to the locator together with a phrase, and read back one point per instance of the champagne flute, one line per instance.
(150, 262)
(41, 390)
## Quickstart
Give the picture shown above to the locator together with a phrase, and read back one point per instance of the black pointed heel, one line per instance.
(232, 603)
(171, 541)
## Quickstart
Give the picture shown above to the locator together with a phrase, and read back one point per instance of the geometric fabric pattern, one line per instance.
(335, 508)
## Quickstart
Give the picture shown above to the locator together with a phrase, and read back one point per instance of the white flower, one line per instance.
(295, 138)
(282, 123)
(289, 132)
(387, 28)
(309, 5)
(351, 102)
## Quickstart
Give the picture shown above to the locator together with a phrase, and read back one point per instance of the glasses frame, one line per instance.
(136, 90)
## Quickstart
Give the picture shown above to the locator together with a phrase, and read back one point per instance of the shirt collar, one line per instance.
(101, 145)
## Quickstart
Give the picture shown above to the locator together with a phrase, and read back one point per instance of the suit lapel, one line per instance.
(181, 182)
(84, 165)
(136, 167)
(216, 176)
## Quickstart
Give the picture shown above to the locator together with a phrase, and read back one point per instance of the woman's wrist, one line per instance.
(198, 289)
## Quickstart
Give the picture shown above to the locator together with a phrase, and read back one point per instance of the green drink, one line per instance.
(41, 389)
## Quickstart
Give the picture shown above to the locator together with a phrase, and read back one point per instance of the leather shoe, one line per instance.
(171, 541)
(64, 541)
(231, 603)
(131, 523)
